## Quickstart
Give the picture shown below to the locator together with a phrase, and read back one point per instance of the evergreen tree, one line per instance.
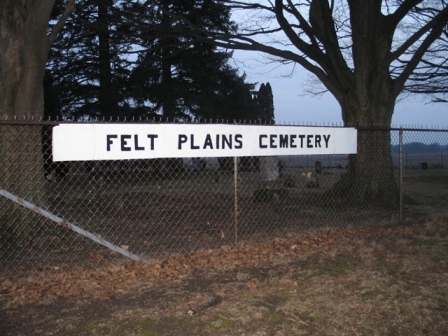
(132, 59)
(266, 102)
(180, 79)
(87, 64)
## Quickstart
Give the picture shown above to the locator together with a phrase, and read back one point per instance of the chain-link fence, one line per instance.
(54, 213)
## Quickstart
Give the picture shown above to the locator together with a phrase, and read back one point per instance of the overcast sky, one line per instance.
(291, 106)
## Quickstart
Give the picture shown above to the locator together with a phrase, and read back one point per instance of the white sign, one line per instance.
(79, 142)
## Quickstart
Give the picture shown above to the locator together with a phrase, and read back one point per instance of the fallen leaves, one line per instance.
(121, 278)
(251, 286)
(11, 312)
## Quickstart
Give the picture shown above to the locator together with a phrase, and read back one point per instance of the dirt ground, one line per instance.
(356, 281)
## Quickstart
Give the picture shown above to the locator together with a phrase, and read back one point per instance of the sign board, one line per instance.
(80, 142)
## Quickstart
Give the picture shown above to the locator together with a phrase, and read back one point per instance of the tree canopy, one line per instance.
(355, 48)
(431, 76)
(363, 53)
(132, 59)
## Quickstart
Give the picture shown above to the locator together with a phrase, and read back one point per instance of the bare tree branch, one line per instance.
(439, 20)
(61, 22)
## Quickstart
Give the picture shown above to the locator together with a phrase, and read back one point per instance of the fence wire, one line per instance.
(93, 211)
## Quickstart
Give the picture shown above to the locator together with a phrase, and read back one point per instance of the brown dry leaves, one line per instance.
(126, 277)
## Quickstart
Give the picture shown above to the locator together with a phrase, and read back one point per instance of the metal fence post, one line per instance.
(235, 186)
(400, 169)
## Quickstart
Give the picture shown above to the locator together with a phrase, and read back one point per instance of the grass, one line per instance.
(396, 287)
(390, 282)
(221, 324)
(338, 267)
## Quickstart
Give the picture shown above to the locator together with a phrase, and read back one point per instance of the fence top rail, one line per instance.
(42, 122)
(406, 129)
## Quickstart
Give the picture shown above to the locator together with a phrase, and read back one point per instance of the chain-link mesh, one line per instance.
(159, 207)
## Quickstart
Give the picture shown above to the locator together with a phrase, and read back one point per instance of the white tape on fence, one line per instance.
(78, 142)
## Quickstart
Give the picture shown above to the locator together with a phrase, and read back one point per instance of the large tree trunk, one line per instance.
(24, 46)
(370, 179)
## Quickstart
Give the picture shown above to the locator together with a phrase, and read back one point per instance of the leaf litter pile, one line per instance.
(375, 281)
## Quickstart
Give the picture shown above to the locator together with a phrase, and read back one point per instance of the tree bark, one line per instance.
(108, 105)
(24, 47)
(370, 179)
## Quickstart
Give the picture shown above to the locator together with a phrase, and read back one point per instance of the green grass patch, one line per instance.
(276, 319)
(338, 267)
(424, 242)
(90, 326)
(222, 324)
(443, 234)
(148, 327)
